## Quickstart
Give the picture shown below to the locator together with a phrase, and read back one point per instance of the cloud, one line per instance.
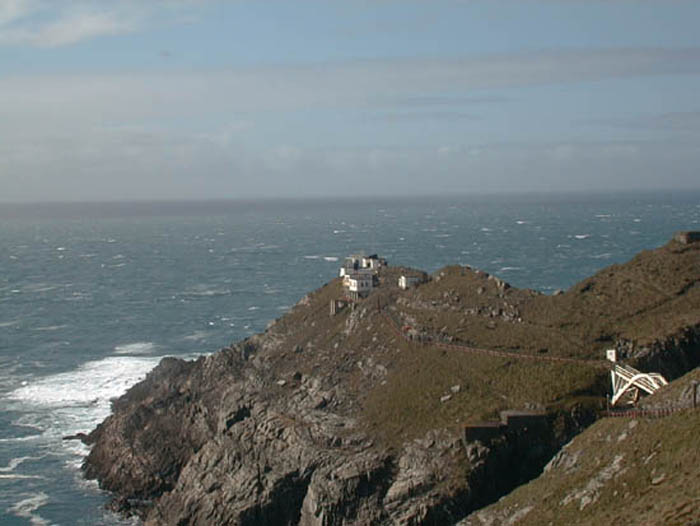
(43, 23)
(407, 116)
(445, 100)
(124, 163)
(359, 84)
(68, 30)
(12, 10)
(262, 131)
(677, 121)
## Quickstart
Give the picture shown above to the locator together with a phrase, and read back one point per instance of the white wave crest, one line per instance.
(40, 287)
(76, 401)
(137, 348)
(16, 462)
(12, 440)
(50, 328)
(25, 508)
(196, 336)
(205, 291)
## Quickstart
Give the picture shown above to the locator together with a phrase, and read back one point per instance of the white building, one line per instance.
(373, 262)
(362, 274)
(359, 273)
(357, 262)
(406, 282)
(350, 265)
(359, 285)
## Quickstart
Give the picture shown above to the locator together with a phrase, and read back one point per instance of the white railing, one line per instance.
(626, 379)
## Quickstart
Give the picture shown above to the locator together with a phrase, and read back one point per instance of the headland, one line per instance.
(361, 408)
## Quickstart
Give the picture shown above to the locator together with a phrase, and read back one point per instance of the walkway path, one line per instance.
(602, 364)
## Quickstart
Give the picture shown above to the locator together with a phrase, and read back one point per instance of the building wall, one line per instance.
(483, 432)
(687, 237)
(406, 282)
(511, 421)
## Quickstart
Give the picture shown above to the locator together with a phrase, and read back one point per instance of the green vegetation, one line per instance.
(397, 386)
(409, 404)
(618, 471)
(656, 293)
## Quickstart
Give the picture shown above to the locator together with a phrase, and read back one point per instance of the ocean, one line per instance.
(92, 296)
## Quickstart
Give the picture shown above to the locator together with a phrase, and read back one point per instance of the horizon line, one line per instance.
(349, 198)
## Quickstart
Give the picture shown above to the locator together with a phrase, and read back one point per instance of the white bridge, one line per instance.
(627, 381)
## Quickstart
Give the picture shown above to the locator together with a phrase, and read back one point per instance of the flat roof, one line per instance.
(489, 424)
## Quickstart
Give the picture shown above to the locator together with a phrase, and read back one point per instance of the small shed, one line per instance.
(515, 420)
(406, 282)
(687, 237)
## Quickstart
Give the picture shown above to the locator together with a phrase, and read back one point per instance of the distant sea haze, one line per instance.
(92, 296)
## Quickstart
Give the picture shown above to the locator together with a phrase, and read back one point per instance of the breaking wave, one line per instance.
(137, 348)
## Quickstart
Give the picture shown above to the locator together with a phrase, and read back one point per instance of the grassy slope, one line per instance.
(655, 293)
(652, 296)
(396, 386)
(618, 471)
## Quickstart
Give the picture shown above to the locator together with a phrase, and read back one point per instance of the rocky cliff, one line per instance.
(357, 418)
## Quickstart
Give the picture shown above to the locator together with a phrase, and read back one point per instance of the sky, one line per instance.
(201, 99)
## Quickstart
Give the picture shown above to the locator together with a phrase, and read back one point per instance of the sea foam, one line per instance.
(27, 507)
(137, 348)
(16, 462)
(76, 401)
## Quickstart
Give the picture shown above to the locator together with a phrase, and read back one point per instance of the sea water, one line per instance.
(93, 296)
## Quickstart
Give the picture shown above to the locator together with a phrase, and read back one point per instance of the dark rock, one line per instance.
(78, 436)
(266, 432)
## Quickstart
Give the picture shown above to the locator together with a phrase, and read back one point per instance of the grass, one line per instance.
(648, 298)
(658, 481)
(656, 293)
(409, 404)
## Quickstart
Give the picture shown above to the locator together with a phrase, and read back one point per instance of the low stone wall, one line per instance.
(511, 421)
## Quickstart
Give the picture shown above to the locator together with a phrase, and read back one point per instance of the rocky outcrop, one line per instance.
(618, 471)
(155, 428)
(205, 443)
(321, 420)
(672, 355)
(219, 441)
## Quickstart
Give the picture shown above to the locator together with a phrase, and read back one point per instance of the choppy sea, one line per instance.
(92, 296)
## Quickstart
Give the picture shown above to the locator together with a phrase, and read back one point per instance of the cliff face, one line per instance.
(343, 420)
